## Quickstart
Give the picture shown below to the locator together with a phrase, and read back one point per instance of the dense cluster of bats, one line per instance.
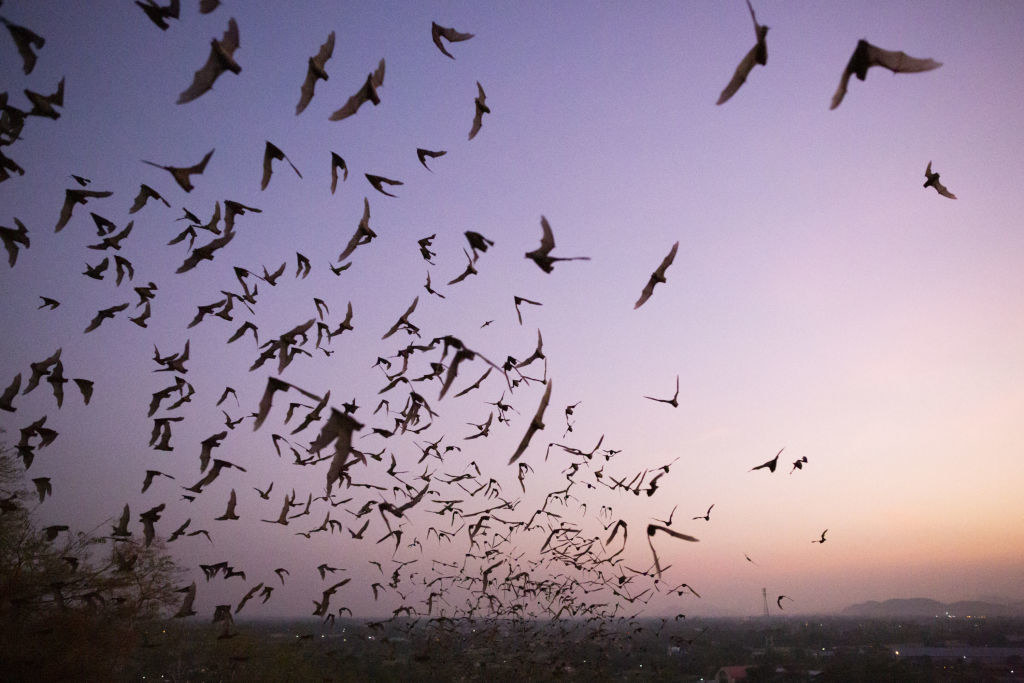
(512, 563)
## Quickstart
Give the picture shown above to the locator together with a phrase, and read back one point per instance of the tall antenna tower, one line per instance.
(764, 596)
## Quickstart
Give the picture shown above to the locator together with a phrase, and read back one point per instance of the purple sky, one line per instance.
(821, 299)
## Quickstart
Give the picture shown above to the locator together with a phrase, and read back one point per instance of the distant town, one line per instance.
(938, 647)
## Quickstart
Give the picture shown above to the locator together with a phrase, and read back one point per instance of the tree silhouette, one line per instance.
(73, 604)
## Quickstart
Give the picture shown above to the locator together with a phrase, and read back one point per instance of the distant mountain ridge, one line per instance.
(926, 607)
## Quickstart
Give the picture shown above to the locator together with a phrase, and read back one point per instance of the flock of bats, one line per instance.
(512, 564)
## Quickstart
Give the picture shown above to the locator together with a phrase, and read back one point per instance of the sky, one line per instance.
(821, 301)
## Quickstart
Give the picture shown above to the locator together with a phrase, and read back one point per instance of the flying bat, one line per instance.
(422, 155)
(757, 55)
(205, 252)
(336, 163)
(13, 237)
(157, 14)
(145, 194)
(271, 152)
(25, 40)
(535, 424)
(933, 181)
(73, 197)
(182, 175)
(771, 463)
(314, 72)
(547, 243)
(43, 105)
(653, 529)
(437, 32)
(367, 93)
(674, 401)
(221, 59)
(657, 276)
(481, 109)
(103, 314)
(377, 181)
(867, 55)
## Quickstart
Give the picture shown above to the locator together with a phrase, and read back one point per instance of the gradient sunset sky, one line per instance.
(822, 301)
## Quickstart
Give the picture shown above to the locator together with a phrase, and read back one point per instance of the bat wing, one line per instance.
(667, 261)
(740, 76)
(941, 189)
(478, 122)
(351, 106)
(453, 35)
(899, 62)
(307, 91)
(535, 424)
(547, 240)
(203, 79)
(840, 92)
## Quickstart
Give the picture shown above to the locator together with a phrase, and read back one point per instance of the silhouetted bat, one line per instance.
(336, 163)
(104, 314)
(757, 55)
(547, 244)
(366, 93)
(158, 14)
(377, 181)
(363, 234)
(314, 72)
(481, 109)
(221, 59)
(867, 55)
(437, 32)
(657, 276)
(653, 529)
(205, 252)
(771, 463)
(933, 181)
(182, 174)
(13, 237)
(535, 424)
(43, 105)
(271, 152)
(25, 40)
(422, 154)
(72, 197)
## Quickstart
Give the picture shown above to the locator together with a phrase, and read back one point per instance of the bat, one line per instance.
(314, 72)
(437, 32)
(366, 93)
(221, 59)
(757, 55)
(481, 109)
(182, 175)
(657, 276)
(535, 424)
(933, 181)
(867, 55)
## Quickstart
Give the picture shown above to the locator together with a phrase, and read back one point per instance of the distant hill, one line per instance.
(925, 607)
